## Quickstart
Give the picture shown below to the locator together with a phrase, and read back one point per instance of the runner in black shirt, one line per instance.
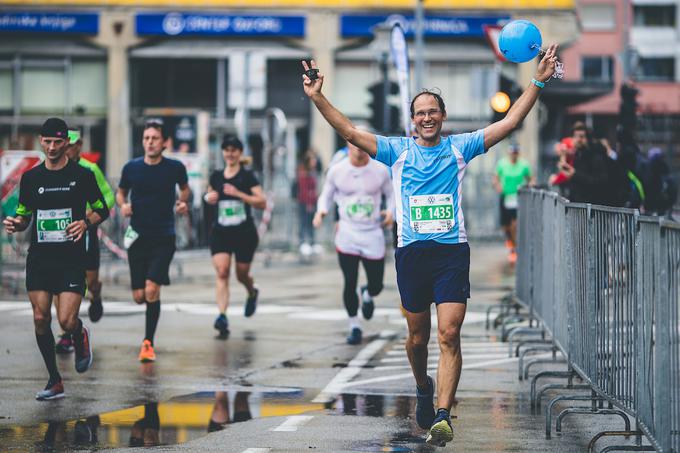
(150, 239)
(234, 190)
(55, 195)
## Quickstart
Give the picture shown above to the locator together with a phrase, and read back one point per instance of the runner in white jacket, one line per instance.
(357, 184)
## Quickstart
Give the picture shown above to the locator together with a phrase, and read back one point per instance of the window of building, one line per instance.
(88, 87)
(352, 79)
(161, 82)
(598, 17)
(656, 69)
(283, 88)
(6, 90)
(654, 15)
(43, 88)
(54, 86)
(597, 69)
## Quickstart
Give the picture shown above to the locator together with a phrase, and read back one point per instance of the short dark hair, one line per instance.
(233, 141)
(156, 123)
(580, 126)
(435, 95)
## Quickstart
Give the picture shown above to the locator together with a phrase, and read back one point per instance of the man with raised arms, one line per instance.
(432, 257)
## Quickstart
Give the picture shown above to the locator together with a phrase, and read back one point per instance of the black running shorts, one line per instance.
(241, 240)
(149, 258)
(92, 249)
(54, 277)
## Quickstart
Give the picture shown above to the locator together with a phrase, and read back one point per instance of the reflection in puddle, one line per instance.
(178, 420)
(374, 405)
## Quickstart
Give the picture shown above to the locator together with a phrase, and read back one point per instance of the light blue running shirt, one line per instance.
(428, 185)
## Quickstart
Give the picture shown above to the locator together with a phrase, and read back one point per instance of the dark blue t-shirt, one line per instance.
(152, 194)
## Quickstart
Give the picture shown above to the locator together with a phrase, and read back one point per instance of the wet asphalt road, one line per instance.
(285, 380)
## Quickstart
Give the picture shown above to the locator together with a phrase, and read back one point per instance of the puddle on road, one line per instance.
(189, 417)
(175, 421)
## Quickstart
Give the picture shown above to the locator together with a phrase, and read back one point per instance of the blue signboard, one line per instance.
(174, 24)
(435, 26)
(49, 22)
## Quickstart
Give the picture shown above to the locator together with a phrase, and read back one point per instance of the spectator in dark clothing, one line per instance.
(306, 194)
(661, 190)
(589, 176)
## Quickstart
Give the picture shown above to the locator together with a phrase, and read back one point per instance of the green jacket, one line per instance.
(101, 182)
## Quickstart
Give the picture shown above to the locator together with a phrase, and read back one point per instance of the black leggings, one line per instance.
(350, 269)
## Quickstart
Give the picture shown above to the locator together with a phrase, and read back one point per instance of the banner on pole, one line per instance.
(399, 52)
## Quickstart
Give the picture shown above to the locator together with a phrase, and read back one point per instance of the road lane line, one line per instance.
(400, 376)
(353, 368)
(436, 357)
(293, 422)
(257, 450)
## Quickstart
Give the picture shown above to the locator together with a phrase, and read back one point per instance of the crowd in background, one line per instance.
(590, 170)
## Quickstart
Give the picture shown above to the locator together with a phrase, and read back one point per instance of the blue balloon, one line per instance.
(520, 41)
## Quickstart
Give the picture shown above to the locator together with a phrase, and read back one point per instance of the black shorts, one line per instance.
(92, 250)
(428, 271)
(241, 240)
(149, 258)
(507, 215)
(54, 276)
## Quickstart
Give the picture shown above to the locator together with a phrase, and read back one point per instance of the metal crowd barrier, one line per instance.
(604, 284)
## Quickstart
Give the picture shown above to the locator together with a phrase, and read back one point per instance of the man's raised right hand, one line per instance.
(310, 86)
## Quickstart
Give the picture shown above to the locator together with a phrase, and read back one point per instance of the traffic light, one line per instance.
(379, 106)
(628, 108)
(502, 100)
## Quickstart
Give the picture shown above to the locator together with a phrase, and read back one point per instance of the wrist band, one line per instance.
(537, 83)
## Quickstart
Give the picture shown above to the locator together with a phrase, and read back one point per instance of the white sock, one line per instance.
(354, 322)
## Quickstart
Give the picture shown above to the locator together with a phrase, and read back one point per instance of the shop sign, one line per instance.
(352, 25)
(175, 24)
(49, 22)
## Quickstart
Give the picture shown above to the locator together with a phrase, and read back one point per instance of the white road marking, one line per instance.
(352, 369)
(293, 422)
(257, 450)
(400, 376)
(436, 357)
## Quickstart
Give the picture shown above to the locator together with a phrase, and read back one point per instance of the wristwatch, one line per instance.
(87, 222)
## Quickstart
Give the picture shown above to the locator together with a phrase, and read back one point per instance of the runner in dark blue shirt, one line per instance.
(150, 239)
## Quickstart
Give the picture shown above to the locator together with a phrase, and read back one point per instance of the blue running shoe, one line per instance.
(441, 431)
(251, 303)
(425, 405)
(222, 325)
(53, 391)
(354, 336)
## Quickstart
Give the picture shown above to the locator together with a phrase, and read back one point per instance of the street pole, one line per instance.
(246, 103)
(420, 45)
(386, 93)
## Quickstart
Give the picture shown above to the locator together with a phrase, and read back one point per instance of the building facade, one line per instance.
(650, 30)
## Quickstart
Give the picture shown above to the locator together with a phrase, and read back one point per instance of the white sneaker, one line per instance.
(305, 249)
(317, 249)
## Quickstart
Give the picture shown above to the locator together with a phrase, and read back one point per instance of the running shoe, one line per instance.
(425, 405)
(508, 244)
(146, 353)
(96, 309)
(354, 336)
(512, 257)
(222, 325)
(367, 305)
(441, 431)
(251, 303)
(84, 352)
(65, 344)
(53, 391)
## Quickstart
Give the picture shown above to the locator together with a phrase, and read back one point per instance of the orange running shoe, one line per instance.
(512, 257)
(146, 354)
(508, 244)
